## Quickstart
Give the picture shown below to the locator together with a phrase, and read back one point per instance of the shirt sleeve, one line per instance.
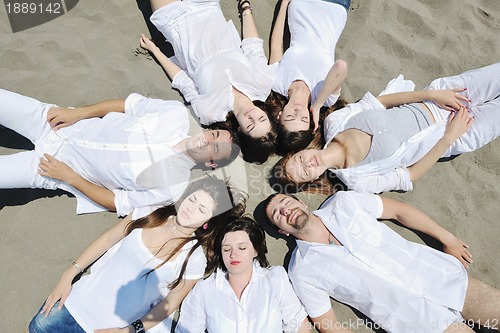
(193, 317)
(186, 86)
(253, 48)
(394, 180)
(292, 311)
(370, 203)
(138, 105)
(315, 300)
(127, 201)
(195, 268)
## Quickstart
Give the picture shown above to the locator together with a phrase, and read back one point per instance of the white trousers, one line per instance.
(27, 117)
(483, 89)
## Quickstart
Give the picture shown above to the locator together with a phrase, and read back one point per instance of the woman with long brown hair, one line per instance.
(146, 269)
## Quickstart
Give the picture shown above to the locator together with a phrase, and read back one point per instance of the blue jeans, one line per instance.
(57, 321)
(343, 3)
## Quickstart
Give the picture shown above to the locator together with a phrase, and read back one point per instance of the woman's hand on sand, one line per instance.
(458, 123)
(450, 99)
(128, 329)
(60, 293)
(458, 249)
(55, 169)
(148, 44)
(58, 117)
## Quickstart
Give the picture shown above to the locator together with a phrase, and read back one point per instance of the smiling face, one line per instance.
(254, 122)
(287, 213)
(295, 117)
(238, 253)
(305, 166)
(196, 209)
(209, 146)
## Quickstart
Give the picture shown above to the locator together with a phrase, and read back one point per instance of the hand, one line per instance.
(458, 123)
(459, 250)
(148, 44)
(450, 100)
(53, 168)
(60, 292)
(128, 329)
(62, 117)
(315, 116)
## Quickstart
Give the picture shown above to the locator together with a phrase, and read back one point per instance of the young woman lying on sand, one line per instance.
(385, 143)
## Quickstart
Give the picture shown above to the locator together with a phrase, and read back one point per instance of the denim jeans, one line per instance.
(343, 3)
(57, 321)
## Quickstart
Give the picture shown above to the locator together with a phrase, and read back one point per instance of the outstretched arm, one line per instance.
(92, 253)
(458, 124)
(327, 323)
(162, 310)
(447, 99)
(334, 79)
(58, 117)
(248, 28)
(53, 168)
(413, 218)
(276, 43)
(167, 64)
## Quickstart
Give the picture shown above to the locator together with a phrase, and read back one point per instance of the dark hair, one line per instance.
(254, 150)
(235, 151)
(280, 181)
(204, 237)
(255, 233)
(289, 141)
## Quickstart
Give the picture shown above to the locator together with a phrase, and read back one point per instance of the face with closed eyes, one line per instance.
(295, 117)
(287, 213)
(238, 253)
(305, 166)
(254, 122)
(196, 209)
(209, 146)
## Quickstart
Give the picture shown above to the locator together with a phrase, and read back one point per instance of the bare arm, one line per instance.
(304, 328)
(447, 99)
(93, 252)
(58, 117)
(276, 43)
(458, 124)
(162, 310)
(53, 168)
(333, 81)
(248, 29)
(327, 323)
(167, 64)
(415, 219)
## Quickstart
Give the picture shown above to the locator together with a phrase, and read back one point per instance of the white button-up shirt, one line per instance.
(268, 304)
(129, 153)
(401, 285)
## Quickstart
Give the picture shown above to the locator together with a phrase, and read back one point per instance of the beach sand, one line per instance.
(88, 55)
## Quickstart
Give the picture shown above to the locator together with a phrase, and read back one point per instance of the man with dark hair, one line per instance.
(115, 155)
(344, 253)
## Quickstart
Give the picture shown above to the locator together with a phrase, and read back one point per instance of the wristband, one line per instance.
(138, 326)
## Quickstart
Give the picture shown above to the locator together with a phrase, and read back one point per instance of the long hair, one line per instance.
(289, 141)
(255, 233)
(253, 150)
(280, 181)
(221, 193)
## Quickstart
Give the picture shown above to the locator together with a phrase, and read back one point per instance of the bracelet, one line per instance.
(77, 266)
(244, 13)
(138, 326)
(244, 5)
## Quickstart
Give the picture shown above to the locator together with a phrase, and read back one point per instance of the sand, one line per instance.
(88, 55)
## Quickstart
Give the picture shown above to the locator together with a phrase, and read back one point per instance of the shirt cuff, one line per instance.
(405, 183)
(130, 103)
(122, 203)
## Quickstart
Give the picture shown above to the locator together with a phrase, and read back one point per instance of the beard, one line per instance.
(300, 220)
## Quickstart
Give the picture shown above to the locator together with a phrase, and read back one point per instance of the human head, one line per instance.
(255, 122)
(321, 183)
(212, 148)
(255, 234)
(286, 212)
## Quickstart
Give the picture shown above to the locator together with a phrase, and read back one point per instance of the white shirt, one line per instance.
(213, 58)
(117, 292)
(268, 304)
(315, 28)
(401, 285)
(129, 153)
